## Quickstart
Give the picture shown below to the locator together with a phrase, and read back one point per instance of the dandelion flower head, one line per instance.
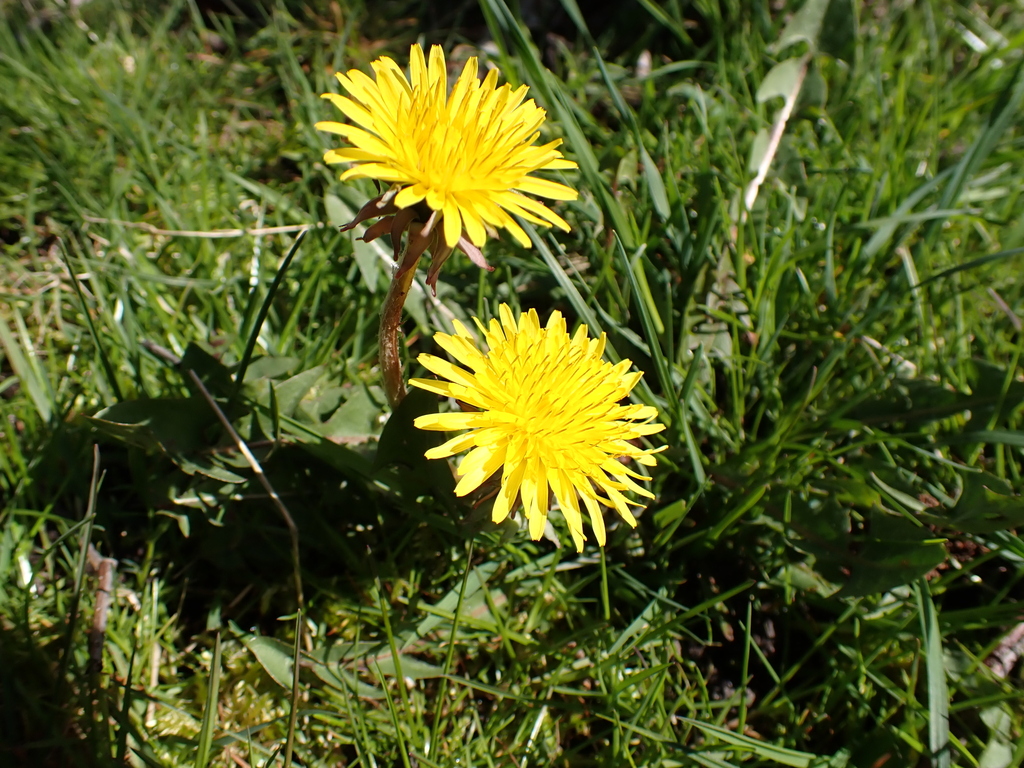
(545, 409)
(457, 165)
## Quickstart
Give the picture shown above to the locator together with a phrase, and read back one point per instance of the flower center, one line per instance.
(551, 422)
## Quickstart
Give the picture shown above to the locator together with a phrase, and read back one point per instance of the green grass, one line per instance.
(832, 554)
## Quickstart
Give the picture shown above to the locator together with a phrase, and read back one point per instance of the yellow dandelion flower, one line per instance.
(545, 408)
(458, 164)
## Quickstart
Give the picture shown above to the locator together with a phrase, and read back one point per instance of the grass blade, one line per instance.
(433, 747)
(76, 592)
(655, 184)
(108, 367)
(780, 755)
(648, 318)
(26, 367)
(938, 692)
(293, 715)
(261, 316)
(210, 710)
(1002, 117)
(972, 264)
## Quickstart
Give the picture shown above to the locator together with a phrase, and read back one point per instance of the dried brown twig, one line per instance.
(104, 567)
(212, 234)
(1006, 654)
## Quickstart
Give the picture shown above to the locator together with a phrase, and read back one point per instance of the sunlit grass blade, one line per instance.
(655, 184)
(1004, 113)
(101, 351)
(644, 303)
(261, 316)
(25, 363)
(209, 723)
(657, 11)
(395, 716)
(434, 747)
(778, 755)
(80, 563)
(981, 261)
(293, 715)
(935, 676)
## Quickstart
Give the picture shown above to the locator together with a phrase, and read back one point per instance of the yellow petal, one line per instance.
(451, 447)
(596, 516)
(435, 199)
(353, 111)
(510, 483)
(472, 223)
(551, 412)
(451, 422)
(417, 68)
(517, 232)
(333, 156)
(478, 466)
(545, 188)
(409, 196)
(437, 72)
(445, 369)
(558, 164)
(452, 223)
(442, 388)
(374, 171)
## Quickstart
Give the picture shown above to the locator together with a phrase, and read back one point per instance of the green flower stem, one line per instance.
(390, 324)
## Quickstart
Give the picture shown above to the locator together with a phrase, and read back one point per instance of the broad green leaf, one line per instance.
(781, 80)
(275, 656)
(758, 147)
(986, 504)
(344, 679)
(270, 367)
(338, 214)
(999, 749)
(291, 391)
(169, 425)
(472, 600)
(814, 92)
(356, 419)
(174, 427)
(209, 368)
(412, 668)
(402, 445)
(895, 552)
(827, 26)
(892, 550)
(655, 185)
